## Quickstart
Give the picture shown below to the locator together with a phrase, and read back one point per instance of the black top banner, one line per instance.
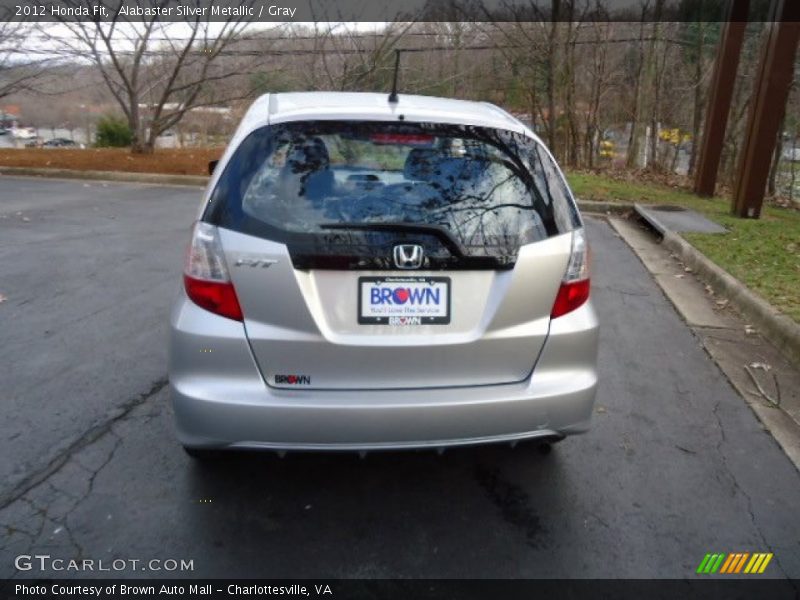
(379, 11)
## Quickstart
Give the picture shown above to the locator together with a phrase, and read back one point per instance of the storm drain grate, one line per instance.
(677, 218)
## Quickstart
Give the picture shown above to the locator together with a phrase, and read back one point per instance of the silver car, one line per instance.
(370, 274)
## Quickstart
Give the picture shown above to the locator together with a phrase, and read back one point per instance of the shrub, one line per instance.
(113, 132)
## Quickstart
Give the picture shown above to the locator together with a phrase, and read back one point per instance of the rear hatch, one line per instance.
(371, 255)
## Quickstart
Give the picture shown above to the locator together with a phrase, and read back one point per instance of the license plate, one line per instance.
(403, 300)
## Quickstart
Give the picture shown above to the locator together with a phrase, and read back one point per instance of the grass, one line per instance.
(763, 254)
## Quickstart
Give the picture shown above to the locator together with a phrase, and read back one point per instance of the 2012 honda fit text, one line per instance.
(371, 274)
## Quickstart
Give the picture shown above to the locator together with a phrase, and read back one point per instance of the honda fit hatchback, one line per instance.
(366, 274)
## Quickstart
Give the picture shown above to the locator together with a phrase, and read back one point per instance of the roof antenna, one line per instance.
(393, 95)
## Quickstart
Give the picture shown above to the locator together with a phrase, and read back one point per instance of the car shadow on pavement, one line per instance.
(310, 505)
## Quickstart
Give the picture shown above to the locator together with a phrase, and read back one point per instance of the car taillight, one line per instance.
(205, 276)
(574, 290)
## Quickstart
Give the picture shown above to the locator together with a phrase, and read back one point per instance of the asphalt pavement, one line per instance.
(676, 464)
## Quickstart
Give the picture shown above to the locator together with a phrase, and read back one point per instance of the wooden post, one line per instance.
(773, 81)
(719, 99)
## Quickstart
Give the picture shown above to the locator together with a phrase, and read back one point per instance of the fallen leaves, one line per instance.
(172, 160)
(760, 365)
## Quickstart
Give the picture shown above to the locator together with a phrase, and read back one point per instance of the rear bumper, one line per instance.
(221, 401)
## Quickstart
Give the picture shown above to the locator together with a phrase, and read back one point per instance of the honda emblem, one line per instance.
(408, 256)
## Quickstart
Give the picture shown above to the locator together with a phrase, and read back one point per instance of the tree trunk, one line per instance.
(633, 141)
(593, 127)
(573, 146)
(551, 67)
(674, 164)
(532, 106)
(135, 125)
(147, 147)
(733, 134)
(792, 176)
(699, 99)
(776, 159)
(656, 72)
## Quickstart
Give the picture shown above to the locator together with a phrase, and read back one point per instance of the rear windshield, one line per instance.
(485, 187)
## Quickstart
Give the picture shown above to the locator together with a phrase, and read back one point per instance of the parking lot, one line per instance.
(676, 464)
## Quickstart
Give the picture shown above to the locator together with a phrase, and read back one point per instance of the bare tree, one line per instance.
(580, 78)
(570, 92)
(344, 59)
(158, 71)
(18, 71)
(599, 84)
(698, 34)
(636, 108)
(530, 49)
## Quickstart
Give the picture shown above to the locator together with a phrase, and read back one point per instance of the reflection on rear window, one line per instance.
(486, 186)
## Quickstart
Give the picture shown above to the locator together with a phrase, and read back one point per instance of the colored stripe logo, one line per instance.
(734, 563)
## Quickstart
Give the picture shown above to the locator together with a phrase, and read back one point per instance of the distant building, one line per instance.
(9, 116)
(173, 106)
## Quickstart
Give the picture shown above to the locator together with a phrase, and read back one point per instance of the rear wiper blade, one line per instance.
(442, 233)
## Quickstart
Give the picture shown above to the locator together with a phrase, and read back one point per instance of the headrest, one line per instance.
(424, 164)
(421, 164)
(308, 155)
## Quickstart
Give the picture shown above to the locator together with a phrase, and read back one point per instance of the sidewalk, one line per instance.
(767, 380)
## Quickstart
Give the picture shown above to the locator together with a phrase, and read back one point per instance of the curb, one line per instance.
(781, 330)
(601, 207)
(116, 176)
